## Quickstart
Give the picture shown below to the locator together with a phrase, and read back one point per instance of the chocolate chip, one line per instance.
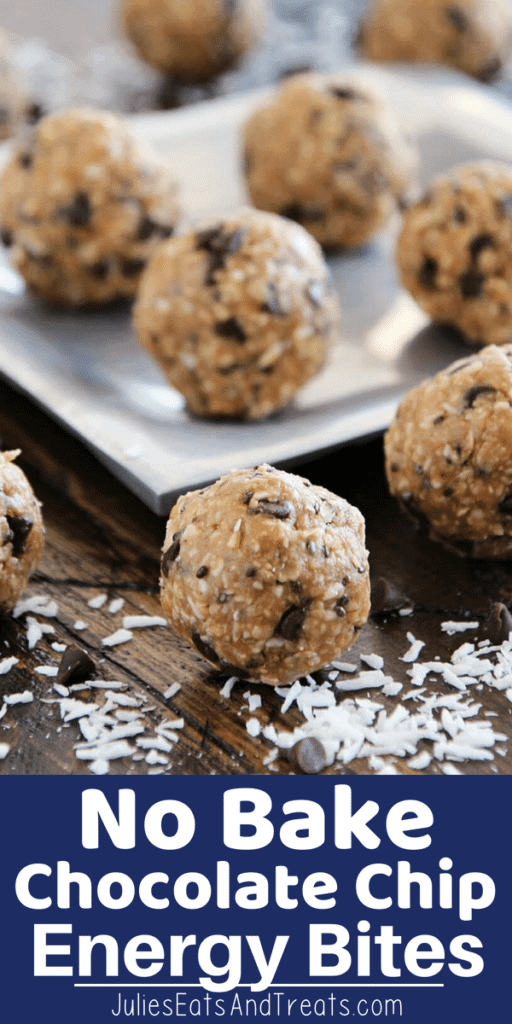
(386, 597)
(459, 215)
(230, 328)
(342, 92)
(498, 623)
(75, 665)
(438, 420)
(205, 648)
(202, 572)
(148, 227)
(341, 604)
(26, 160)
(33, 113)
(247, 497)
(505, 506)
(413, 511)
(490, 70)
(427, 273)
(308, 755)
(132, 267)
(19, 529)
(294, 211)
(272, 507)
(223, 598)
(250, 572)
(219, 244)
(99, 270)
(79, 211)
(171, 554)
(448, 491)
(315, 292)
(481, 471)
(470, 283)
(478, 243)
(7, 237)
(236, 670)
(272, 302)
(472, 394)
(292, 620)
(457, 18)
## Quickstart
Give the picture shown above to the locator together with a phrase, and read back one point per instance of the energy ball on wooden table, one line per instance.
(83, 206)
(327, 152)
(193, 40)
(455, 251)
(239, 313)
(21, 531)
(449, 454)
(472, 35)
(266, 574)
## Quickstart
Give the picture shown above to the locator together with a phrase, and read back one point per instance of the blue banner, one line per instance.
(250, 899)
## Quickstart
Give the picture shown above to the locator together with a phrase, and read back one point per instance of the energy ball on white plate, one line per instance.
(21, 531)
(455, 251)
(472, 35)
(449, 454)
(239, 313)
(83, 206)
(327, 152)
(193, 40)
(266, 574)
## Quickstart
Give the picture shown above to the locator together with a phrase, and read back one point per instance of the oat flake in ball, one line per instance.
(83, 206)
(239, 313)
(193, 40)
(327, 152)
(266, 574)
(449, 454)
(21, 531)
(455, 251)
(472, 35)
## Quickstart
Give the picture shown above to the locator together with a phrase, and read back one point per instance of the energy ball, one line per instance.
(328, 154)
(21, 531)
(266, 574)
(238, 313)
(193, 40)
(455, 251)
(472, 35)
(83, 207)
(449, 454)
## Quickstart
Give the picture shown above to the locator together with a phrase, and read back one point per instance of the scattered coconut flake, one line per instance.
(170, 723)
(103, 684)
(508, 695)
(79, 625)
(36, 631)
(373, 660)
(98, 602)
(46, 670)
(125, 700)
(450, 769)
(143, 621)
(391, 689)
(99, 767)
(414, 650)
(116, 605)
(457, 627)
(39, 603)
(59, 647)
(70, 708)
(156, 771)
(19, 698)
(421, 760)
(3, 711)
(105, 751)
(4, 750)
(61, 690)
(7, 664)
(254, 701)
(228, 686)
(253, 726)
(376, 763)
(121, 636)
(388, 770)
(153, 757)
(364, 681)
(271, 757)
(172, 691)
(344, 666)
(154, 742)
(405, 611)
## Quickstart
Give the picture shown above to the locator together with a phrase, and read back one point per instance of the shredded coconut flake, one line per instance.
(7, 664)
(458, 627)
(116, 605)
(172, 691)
(46, 670)
(39, 603)
(98, 601)
(253, 726)
(19, 698)
(121, 636)
(4, 750)
(143, 621)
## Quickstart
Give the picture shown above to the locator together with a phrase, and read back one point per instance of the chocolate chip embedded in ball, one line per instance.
(254, 592)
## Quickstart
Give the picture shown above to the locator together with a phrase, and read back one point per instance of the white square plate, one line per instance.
(88, 372)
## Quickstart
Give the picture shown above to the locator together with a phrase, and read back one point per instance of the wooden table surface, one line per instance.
(100, 539)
